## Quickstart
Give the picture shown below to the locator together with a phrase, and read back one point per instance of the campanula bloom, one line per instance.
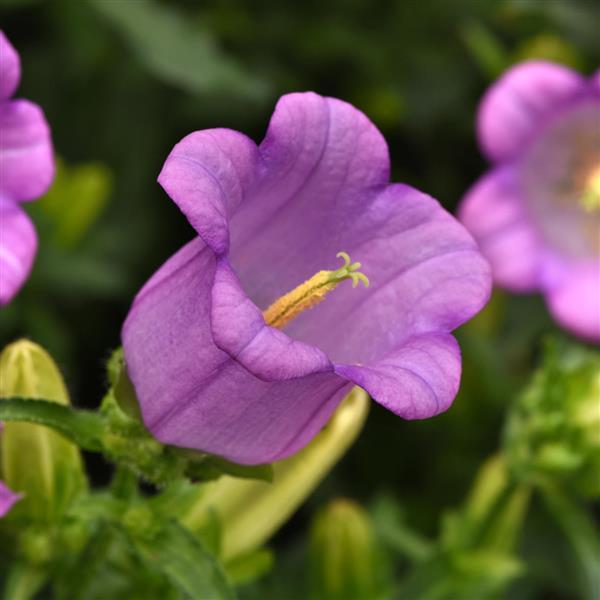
(26, 171)
(231, 353)
(536, 214)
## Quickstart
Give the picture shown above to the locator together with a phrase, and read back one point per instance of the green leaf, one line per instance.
(391, 527)
(76, 200)
(583, 535)
(178, 52)
(80, 426)
(23, 581)
(485, 48)
(183, 560)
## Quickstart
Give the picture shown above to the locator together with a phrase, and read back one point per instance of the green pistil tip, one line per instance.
(350, 270)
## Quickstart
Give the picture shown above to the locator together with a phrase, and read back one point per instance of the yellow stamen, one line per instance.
(590, 199)
(312, 291)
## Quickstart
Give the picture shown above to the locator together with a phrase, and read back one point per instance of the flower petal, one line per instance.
(10, 68)
(207, 175)
(18, 245)
(193, 394)
(520, 102)
(419, 380)
(575, 301)
(266, 352)
(426, 273)
(494, 212)
(26, 161)
(7, 499)
(321, 160)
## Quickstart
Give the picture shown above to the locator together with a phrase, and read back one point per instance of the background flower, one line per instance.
(536, 215)
(26, 170)
(7, 499)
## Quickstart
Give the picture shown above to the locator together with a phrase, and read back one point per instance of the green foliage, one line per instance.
(175, 50)
(181, 557)
(76, 199)
(553, 430)
(582, 532)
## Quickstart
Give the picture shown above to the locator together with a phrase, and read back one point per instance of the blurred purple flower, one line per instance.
(7, 499)
(536, 214)
(211, 374)
(26, 171)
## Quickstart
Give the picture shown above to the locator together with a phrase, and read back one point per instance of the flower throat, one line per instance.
(312, 291)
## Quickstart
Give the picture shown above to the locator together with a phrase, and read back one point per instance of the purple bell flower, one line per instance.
(26, 171)
(213, 372)
(536, 214)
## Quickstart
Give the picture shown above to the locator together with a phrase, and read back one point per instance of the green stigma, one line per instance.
(350, 270)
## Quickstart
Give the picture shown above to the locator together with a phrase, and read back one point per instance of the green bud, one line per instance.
(344, 562)
(250, 511)
(34, 460)
(553, 431)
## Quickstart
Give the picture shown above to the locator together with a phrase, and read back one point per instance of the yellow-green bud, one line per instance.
(343, 558)
(34, 460)
(250, 511)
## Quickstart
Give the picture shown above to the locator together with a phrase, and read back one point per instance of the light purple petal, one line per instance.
(267, 352)
(426, 274)
(7, 499)
(520, 102)
(193, 394)
(322, 161)
(575, 301)
(18, 245)
(419, 380)
(26, 160)
(207, 175)
(10, 68)
(494, 212)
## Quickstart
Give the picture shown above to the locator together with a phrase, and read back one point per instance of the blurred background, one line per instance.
(121, 81)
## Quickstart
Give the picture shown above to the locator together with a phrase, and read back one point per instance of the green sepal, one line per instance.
(207, 466)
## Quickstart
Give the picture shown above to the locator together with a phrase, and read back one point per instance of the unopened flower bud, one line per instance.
(36, 462)
(343, 557)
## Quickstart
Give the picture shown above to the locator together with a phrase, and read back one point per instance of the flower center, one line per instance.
(312, 291)
(590, 198)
